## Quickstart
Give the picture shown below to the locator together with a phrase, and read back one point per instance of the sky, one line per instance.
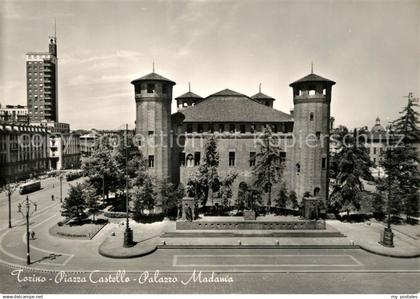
(370, 48)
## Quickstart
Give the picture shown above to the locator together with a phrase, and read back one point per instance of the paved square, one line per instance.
(265, 260)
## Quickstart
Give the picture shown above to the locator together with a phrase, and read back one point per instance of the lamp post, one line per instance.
(9, 189)
(103, 187)
(128, 233)
(61, 187)
(388, 235)
(28, 208)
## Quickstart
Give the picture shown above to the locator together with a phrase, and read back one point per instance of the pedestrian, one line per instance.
(33, 235)
(52, 197)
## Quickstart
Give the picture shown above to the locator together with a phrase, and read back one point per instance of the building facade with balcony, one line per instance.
(23, 151)
(16, 114)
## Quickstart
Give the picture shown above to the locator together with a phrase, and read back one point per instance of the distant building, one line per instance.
(15, 114)
(41, 82)
(64, 146)
(88, 143)
(23, 151)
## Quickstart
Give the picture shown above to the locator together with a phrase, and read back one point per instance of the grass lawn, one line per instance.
(85, 231)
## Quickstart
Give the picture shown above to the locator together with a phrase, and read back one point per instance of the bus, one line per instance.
(30, 187)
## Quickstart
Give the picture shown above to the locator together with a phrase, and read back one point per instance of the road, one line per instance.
(240, 270)
(49, 187)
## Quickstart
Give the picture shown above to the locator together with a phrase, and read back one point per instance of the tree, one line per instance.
(351, 163)
(407, 124)
(292, 200)
(378, 203)
(205, 181)
(282, 198)
(92, 200)
(144, 198)
(225, 193)
(171, 195)
(103, 171)
(269, 165)
(75, 204)
(242, 196)
(401, 163)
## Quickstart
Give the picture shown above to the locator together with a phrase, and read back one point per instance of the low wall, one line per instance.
(252, 225)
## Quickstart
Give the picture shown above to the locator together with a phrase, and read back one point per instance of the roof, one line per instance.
(312, 78)
(231, 106)
(189, 95)
(261, 96)
(153, 76)
(226, 93)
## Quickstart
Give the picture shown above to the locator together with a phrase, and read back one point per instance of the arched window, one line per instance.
(267, 187)
(190, 160)
(311, 116)
(316, 191)
(297, 167)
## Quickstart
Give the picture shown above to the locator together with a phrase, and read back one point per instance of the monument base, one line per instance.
(128, 238)
(387, 238)
(249, 215)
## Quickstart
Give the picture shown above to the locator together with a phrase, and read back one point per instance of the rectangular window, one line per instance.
(318, 135)
(374, 150)
(324, 163)
(211, 128)
(232, 128)
(151, 161)
(221, 128)
(252, 156)
(231, 158)
(196, 158)
(150, 88)
(282, 156)
(252, 128)
(189, 128)
(274, 128)
(164, 89)
(181, 159)
(150, 133)
(200, 128)
(242, 129)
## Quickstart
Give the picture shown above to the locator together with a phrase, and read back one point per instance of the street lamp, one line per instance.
(128, 233)
(61, 186)
(9, 189)
(28, 213)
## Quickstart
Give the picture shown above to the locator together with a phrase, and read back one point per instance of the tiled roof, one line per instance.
(261, 96)
(226, 93)
(312, 78)
(153, 76)
(189, 95)
(231, 106)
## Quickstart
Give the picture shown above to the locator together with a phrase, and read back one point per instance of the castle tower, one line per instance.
(153, 95)
(311, 99)
(188, 99)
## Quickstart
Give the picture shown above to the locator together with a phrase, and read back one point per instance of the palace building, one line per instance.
(173, 143)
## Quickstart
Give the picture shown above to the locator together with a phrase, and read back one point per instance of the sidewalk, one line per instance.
(368, 236)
